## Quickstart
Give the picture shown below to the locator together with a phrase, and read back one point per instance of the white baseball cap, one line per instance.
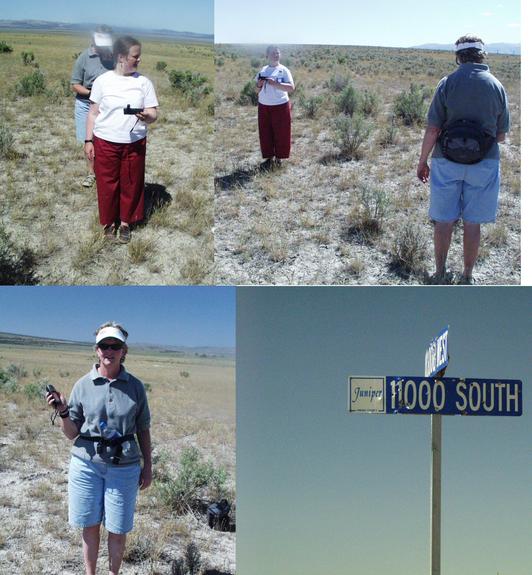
(110, 331)
(102, 40)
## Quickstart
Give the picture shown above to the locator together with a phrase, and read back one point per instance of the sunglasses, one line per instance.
(113, 346)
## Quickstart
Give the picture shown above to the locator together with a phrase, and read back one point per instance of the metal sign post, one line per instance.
(435, 395)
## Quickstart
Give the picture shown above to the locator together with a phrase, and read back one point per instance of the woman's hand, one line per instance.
(148, 115)
(145, 477)
(52, 398)
(89, 151)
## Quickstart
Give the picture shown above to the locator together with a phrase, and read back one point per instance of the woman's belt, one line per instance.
(115, 442)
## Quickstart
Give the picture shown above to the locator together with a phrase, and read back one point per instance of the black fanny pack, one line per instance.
(116, 443)
(465, 142)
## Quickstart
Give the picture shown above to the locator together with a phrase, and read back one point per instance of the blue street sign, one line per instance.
(428, 395)
(437, 354)
(453, 396)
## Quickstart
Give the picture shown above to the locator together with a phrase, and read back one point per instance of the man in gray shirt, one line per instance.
(463, 190)
(91, 63)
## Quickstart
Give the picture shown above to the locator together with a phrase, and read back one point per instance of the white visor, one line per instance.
(102, 40)
(113, 332)
(466, 45)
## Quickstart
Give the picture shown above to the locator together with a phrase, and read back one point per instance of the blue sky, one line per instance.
(181, 15)
(321, 490)
(356, 22)
(189, 316)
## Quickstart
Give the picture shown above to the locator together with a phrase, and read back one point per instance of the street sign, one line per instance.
(428, 395)
(437, 354)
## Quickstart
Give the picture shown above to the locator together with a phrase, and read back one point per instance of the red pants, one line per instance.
(119, 170)
(275, 130)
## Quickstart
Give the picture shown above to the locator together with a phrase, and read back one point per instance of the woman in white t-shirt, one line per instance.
(274, 83)
(123, 102)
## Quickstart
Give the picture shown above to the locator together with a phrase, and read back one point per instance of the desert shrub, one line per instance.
(35, 389)
(6, 141)
(193, 85)
(192, 559)
(5, 48)
(184, 373)
(139, 547)
(16, 263)
(369, 105)
(31, 85)
(338, 82)
(409, 252)
(8, 384)
(410, 105)
(255, 63)
(147, 387)
(17, 370)
(196, 480)
(350, 134)
(161, 66)
(367, 215)
(310, 106)
(349, 101)
(27, 58)
(388, 134)
(248, 95)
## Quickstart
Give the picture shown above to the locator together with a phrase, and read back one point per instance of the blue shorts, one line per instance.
(81, 110)
(102, 493)
(470, 192)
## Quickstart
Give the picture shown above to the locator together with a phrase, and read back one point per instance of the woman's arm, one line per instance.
(68, 427)
(94, 110)
(283, 86)
(144, 439)
(81, 90)
(148, 115)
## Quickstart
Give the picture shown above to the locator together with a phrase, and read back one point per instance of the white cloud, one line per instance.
(514, 25)
(487, 14)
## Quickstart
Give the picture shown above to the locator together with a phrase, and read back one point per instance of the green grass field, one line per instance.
(46, 210)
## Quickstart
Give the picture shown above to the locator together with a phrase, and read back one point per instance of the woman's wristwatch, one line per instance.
(65, 413)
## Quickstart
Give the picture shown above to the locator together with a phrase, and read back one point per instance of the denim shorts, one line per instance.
(470, 192)
(98, 493)
(81, 110)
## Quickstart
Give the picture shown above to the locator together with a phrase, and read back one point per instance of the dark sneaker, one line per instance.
(266, 166)
(124, 234)
(109, 232)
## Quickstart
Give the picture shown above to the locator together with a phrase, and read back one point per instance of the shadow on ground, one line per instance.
(238, 178)
(155, 198)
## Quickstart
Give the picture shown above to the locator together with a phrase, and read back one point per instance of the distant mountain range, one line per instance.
(200, 351)
(69, 27)
(497, 48)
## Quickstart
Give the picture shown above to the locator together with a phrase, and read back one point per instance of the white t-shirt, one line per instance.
(113, 92)
(270, 95)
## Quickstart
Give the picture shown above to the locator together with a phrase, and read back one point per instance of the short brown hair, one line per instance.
(122, 45)
(475, 55)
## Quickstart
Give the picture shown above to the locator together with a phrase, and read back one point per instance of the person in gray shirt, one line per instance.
(469, 96)
(106, 415)
(91, 63)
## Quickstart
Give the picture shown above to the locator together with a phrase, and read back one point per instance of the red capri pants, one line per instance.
(275, 130)
(119, 170)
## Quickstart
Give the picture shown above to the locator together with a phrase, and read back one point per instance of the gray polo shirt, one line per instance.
(471, 93)
(121, 402)
(87, 68)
